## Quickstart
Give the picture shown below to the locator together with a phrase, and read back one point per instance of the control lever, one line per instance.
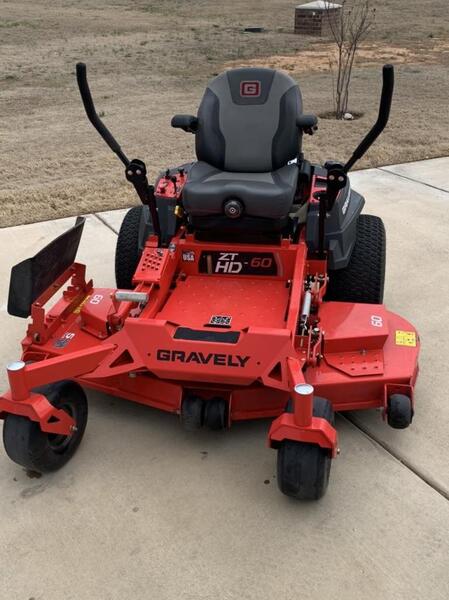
(336, 180)
(136, 173)
(135, 170)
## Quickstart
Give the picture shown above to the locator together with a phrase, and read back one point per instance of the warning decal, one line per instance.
(405, 338)
(80, 306)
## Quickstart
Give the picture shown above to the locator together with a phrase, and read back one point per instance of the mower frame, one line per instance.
(154, 354)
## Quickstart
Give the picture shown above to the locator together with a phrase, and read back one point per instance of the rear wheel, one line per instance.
(303, 469)
(26, 444)
(133, 232)
(363, 279)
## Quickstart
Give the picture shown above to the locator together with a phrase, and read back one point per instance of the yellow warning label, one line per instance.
(80, 306)
(405, 338)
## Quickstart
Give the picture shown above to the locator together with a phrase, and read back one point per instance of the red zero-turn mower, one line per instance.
(249, 286)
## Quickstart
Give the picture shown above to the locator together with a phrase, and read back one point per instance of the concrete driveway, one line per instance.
(147, 511)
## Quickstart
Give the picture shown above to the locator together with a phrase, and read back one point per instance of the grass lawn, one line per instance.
(150, 59)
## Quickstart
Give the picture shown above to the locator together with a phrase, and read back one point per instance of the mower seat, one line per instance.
(268, 195)
(247, 133)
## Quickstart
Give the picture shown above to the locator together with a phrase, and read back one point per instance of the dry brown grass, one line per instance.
(150, 59)
(316, 57)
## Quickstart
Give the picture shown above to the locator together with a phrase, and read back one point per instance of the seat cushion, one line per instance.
(266, 195)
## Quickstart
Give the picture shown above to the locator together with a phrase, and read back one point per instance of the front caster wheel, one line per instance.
(399, 411)
(303, 469)
(27, 445)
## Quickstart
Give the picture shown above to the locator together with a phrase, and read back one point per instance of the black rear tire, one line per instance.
(131, 239)
(27, 445)
(363, 279)
(303, 469)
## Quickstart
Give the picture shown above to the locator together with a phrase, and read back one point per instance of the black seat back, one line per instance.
(247, 121)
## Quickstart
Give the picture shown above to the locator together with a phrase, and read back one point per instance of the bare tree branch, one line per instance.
(353, 22)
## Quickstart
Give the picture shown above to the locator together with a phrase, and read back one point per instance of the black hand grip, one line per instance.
(307, 123)
(86, 96)
(382, 119)
(387, 94)
(188, 123)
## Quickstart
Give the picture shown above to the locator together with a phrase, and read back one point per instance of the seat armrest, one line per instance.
(188, 123)
(307, 123)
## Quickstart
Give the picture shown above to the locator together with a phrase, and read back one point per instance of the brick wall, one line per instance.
(314, 22)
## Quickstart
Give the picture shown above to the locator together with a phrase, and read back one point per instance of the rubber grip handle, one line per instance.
(382, 118)
(89, 106)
